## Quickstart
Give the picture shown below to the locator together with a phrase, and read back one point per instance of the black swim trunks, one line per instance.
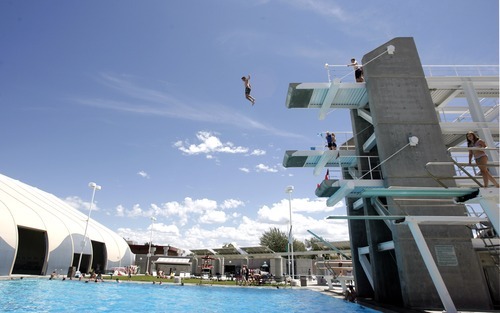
(358, 73)
(247, 91)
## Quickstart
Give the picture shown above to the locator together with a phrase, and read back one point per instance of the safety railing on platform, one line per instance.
(362, 167)
(345, 73)
(461, 173)
(486, 233)
(459, 114)
(344, 141)
(460, 70)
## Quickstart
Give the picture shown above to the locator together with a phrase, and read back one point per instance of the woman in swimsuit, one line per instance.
(473, 141)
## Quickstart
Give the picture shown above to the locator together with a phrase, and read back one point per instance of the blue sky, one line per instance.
(145, 98)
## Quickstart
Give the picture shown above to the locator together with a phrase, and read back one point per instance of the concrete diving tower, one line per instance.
(402, 211)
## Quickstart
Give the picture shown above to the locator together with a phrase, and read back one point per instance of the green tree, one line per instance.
(298, 246)
(274, 239)
(277, 241)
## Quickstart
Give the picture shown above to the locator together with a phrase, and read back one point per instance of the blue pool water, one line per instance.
(43, 295)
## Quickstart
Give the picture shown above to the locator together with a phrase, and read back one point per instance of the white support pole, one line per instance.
(153, 219)
(330, 95)
(94, 187)
(365, 264)
(438, 281)
(289, 190)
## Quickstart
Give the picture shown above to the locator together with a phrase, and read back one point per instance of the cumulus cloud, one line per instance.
(264, 168)
(203, 211)
(209, 143)
(213, 224)
(81, 205)
(213, 216)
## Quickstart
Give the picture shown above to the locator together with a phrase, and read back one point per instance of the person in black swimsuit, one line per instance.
(358, 71)
(248, 89)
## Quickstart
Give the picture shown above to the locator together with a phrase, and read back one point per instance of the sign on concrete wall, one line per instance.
(445, 255)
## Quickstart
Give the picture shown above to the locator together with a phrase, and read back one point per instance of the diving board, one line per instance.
(420, 219)
(336, 190)
(351, 189)
(319, 159)
(428, 192)
(327, 95)
(329, 245)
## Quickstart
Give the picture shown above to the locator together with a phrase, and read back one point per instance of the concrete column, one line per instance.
(401, 106)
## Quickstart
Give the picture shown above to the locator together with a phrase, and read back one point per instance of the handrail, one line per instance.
(457, 70)
(467, 149)
(460, 165)
(439, 179)
(343, 70)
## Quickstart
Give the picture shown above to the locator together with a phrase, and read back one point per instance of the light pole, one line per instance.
(153, 219)
(94, 187)
(289, 190)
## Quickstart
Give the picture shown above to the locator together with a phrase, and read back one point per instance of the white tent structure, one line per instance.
(40, 234)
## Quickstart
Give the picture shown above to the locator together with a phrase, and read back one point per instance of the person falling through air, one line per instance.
(248, 88)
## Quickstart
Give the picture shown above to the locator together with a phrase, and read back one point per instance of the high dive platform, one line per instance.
(405, 178)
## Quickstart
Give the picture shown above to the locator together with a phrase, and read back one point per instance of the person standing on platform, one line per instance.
(473, 141)
(358, 71)
(331, 141)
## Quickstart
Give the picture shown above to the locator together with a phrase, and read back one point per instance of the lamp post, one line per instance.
(153, 219)
(94, 187)
(289, 190)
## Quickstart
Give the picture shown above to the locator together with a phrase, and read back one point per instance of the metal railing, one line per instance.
(344, 73)
(460, 70)
(343, 141)
(461, 173)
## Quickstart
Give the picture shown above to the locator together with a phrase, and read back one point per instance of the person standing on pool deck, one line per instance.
(248, 89)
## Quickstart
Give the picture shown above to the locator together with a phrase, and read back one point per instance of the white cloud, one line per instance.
(231, 204)
(244, 169)
(209, 144)
(307, 214)
(212, 217)
(264, 168)
(161, 228)
(120, 211)
(143, 174)
(258, 152)
(79, 204)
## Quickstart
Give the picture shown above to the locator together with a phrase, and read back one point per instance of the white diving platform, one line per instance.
(319, 159)
(326, 96)
(443, 89)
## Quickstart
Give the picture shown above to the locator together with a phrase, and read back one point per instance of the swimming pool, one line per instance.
(43, 295)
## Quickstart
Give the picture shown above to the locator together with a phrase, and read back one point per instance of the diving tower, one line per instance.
(406, 204)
